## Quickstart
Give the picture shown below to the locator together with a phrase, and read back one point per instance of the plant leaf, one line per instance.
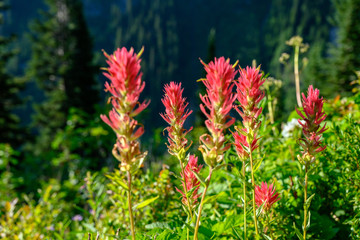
(298, 233)
(256, 167)
(118, 182)
(266, 236)
(308, 201)
(161, 225)
(145, 203)
(219, 166)
(213, 198)
(189, 227)
(260, 209)
(308, 222)
(201, 179)
(236, 233)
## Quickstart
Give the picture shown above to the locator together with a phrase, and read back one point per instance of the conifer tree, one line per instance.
(61, 64)
(10, 87)
(345, 53)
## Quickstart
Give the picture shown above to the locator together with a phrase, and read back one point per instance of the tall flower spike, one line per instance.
(218, 101)
(125, 80)
(267, 195)
(249, 96)
(125, 87)
(314, 116)
(311, 125)
(190, 181)
(175, 115)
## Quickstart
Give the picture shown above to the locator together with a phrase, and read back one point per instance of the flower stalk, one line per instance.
(299, 47)
(249, 96)
(241, 146)
(253, 196)
(216, 105)
(132, 226)
(305, 203)
(296, 74)
(196, 231)
(311, 121)
(244, 196)
(175, 115)
(125, 87)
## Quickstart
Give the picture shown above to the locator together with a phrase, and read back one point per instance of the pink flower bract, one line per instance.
(175, 115)
(219, 99)
(125, 80)
(266, 194)
(217, 103)
(249, 95)
(125, 86)
(191, 180)
(311, 124)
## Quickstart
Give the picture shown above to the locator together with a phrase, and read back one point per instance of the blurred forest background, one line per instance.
(52, 86)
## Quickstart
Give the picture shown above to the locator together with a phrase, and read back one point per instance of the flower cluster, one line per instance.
(191, 183)
(175, 115)
(249, 96)
(266, 194)
(219, 101)
(125, 86)
(310, 123)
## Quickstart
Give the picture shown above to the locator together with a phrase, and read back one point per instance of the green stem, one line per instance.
(130, 206)
(271, 111)
(201, 205)
(187, 199)
(185, 190)
(305, 199)
(297, 77)
(244, 190)
(253, 195)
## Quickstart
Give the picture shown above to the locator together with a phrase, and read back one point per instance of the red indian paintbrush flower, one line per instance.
(310, 123)
(175, 115)
(266, 195)
(125, 86)
(249, 95)
(219, 100)
(191, 181)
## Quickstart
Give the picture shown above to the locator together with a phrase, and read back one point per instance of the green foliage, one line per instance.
(30, 220)
(8, 158)
(340, 171)
(83, 144)
(97, 205)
